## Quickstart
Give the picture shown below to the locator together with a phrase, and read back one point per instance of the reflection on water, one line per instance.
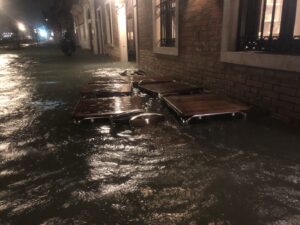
(226, 172)
(13, 90)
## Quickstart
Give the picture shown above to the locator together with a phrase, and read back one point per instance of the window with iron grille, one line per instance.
(269, 25)
(166, 10)
(165, 26)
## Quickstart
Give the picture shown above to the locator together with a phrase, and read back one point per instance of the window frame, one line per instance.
(108, 23)
(229, 53)
(156, 33)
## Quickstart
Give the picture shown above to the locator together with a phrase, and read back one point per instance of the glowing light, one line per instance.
(43, 33)
(122, 30)
(7, 35)
(21, 26)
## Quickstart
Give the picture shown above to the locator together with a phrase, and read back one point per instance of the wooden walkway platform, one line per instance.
(203, 105)
(110, 81)
(107, 108)
(167, 88)
(106, 90)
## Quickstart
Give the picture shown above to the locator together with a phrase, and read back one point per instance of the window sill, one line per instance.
(166, 50)
(263, 60)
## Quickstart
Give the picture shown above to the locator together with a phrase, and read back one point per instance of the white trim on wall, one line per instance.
(256, 59)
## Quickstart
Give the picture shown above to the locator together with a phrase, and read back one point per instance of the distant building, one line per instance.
(7, 27)
(106, 27)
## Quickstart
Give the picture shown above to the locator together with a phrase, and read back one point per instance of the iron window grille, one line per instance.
(269, 25)
(167, 13)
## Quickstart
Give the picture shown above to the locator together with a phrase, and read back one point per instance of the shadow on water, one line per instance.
(215, 172)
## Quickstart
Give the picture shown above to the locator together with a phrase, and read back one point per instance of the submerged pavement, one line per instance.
(216, 172)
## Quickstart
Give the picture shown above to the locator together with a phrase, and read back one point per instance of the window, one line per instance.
(269, 25)
(165, 13)
(88, 14)
(297, 23)
(83, 31)
(108, 23)
(243, 41)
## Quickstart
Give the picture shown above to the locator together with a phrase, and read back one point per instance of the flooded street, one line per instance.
(52, 171)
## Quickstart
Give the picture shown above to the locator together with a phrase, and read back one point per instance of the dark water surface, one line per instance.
(222, 172)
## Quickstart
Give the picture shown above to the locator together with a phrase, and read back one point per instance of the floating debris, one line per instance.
(107, 108)
(203, 105)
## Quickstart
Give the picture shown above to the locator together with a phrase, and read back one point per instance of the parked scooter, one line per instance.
(68, 45)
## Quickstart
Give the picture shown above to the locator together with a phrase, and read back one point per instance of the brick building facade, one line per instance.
(204, 51)
(200, 24)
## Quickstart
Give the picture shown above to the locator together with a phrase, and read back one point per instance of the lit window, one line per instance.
(270, 18)
(269, 25)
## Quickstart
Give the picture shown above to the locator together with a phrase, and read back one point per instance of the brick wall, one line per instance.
(200, 25)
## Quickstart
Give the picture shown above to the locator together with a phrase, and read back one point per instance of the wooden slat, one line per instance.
(167, 88)
(106, 90)
(203, 104)
(101, 108)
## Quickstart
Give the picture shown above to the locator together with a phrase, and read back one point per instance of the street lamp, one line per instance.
(21, 26)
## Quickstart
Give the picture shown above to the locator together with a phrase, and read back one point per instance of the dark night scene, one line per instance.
(149, 112)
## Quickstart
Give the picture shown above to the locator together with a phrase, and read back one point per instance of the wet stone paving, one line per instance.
(52, 171)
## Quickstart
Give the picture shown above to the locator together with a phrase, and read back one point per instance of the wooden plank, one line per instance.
(203, 105)
(106, 108)
(166, 88)
(106, 90)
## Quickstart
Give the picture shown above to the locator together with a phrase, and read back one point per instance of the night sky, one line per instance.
(26, 10)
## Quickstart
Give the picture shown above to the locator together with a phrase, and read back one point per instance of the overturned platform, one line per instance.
(167, 88)
(107, 108)
(203, 105)
(106, 90)
(110, 80)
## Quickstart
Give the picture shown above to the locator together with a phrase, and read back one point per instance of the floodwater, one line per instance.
(53, 172)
